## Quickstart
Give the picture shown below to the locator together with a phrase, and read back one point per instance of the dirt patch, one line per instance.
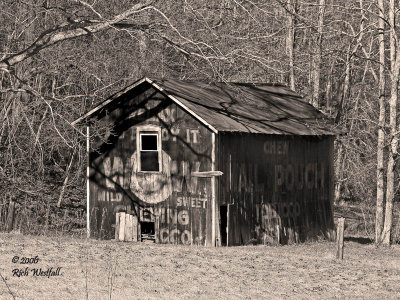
(149, 271)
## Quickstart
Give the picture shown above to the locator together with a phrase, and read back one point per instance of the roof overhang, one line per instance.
(90, 114)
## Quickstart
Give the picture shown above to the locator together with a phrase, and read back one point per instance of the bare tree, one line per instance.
(380, 184)
(394, 81)
(316, 72)
(290, 42)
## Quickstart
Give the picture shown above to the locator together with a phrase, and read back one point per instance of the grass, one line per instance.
(119, 270)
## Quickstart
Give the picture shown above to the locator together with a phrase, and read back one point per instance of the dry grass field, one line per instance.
(104, 269)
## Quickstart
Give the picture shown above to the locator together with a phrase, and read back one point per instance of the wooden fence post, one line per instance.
(339, 238)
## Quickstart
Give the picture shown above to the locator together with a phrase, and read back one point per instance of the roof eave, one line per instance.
(159, 88)
(104, 103)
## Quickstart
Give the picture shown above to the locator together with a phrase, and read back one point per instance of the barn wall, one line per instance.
(277, 189)
(177, 202)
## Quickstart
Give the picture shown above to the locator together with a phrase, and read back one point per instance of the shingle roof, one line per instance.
(238, 107)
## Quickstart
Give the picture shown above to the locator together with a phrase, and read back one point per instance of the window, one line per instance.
(149, 154)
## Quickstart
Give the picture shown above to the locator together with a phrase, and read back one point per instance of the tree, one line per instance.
(394, 90)
(292, 11)
(316, 73)
(380, 184)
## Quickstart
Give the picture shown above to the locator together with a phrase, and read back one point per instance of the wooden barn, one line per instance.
(210, 164)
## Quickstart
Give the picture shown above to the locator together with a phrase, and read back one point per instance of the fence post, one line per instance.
(339, 238)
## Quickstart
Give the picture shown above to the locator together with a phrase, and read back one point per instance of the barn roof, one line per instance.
(235, 107)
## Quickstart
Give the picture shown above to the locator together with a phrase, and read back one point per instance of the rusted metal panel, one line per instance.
(241, 107)
(177, 202)
(231, 107)
(278, 188)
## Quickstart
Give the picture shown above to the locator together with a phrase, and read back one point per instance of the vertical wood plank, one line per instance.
(218, 227)
(213, 198)
(135, 228)
(157, 210)
(139, 231)
(227, 225)
(87, 182)
(122, 226)
(117, 220)
(331, 183)
(339, 238)
(128, 228)
(278, 233)
(103, 218)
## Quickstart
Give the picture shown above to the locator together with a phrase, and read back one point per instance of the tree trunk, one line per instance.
(290, 41)
(143, 50)
(65, 179)
(10, 216)
(346, 89)
(339, 172)
(316, 72)
(380, 193)
(390, 175)
(328, 92)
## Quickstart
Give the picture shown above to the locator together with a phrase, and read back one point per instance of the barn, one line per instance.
(212, 164)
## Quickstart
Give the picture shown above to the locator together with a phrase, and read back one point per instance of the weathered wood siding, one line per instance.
(177, 202)
(277, 188)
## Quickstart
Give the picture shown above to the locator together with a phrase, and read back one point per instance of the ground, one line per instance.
(100, 269)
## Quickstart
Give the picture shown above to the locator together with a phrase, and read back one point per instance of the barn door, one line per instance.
(223, 218)
(147, 223)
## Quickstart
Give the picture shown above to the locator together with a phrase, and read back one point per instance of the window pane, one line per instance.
(149, 142)
(149, 161)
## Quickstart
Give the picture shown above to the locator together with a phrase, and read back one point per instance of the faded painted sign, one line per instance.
(173, 199)
(300, 176)
(276, 147)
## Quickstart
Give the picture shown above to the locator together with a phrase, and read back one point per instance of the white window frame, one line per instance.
(148, 130)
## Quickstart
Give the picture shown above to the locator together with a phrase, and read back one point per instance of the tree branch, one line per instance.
(67, 32)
